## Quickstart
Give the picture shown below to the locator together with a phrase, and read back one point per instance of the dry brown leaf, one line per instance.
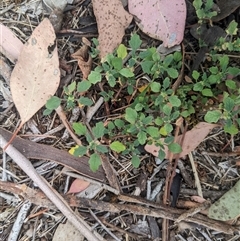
(36, 76)
(192, 139)
(112, 20)
(84, 59)
(10, 45)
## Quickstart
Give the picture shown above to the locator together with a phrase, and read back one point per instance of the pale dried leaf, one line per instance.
(78, 185)
(10, 45)
(67, 232)
(161, 19)
(191, 140)
(36, 76)
(112, 20)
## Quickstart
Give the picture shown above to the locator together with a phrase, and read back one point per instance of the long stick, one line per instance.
(27, 167)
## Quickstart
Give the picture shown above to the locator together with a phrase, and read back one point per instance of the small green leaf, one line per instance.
(195, 74)
(47, 112)
(147, 66)
(131, 115)
(207, 92)
(94, 162)
(135, 42)
(152, 131)
(229, 104)
(83, 86)
(80, 151)
(94, 77)
(232, 129)
(126, 72)
(101, 148)
(161, 154)
(85, 101)
(167, 109)
(119, 123)
(198, 86)
(174, 100)
(232, 28)
(213, 116)
(117, 63)
(53, 103)
(155, 87)
(135, 161)
(98, 130)
(71, 87)
(173, 73)
(175, 148)
(79, 128)
(122, 51)
(231, 84)
(117, 146)
(142, 137)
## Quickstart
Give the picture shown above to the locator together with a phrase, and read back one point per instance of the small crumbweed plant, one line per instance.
(149, 119)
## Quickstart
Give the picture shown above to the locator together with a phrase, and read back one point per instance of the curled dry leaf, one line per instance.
(161, 19)
(84, 59)
(36, 76)
(10, 45)
(78, 185)
(192, 139)
(112, 20)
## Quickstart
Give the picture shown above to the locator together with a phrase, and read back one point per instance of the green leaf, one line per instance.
(126, 72)
(168, 127)
(117, 146)
(207, 92)
(83, 86)
(79, 128)
(233, 71)
(85, 101)
(111, 79)
(147, 120)
(53, 103)
(135, 42)
(94, 162)
(122, 51)
(131, 115)
(232, 28)
(135, 161)
(155, 87)
(197, 4)
(198, 86)
(80, 151)
(101, 148)
(224, 60)
(119, 123)
(213, 116)
(161, 154)
(167, 109)
(47, 112)
(174, 100)
(195, 74)
(214, 70)
(94, 77)
(175, 148)
(142, 137)
(153, 131)
(232, 129)
(147, 66)
(231, 84)
(98, 130)
(117, 63)
(229, 104)
(173, 73)
(71, 87)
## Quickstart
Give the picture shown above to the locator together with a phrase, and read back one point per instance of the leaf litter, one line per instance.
(125, 172)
